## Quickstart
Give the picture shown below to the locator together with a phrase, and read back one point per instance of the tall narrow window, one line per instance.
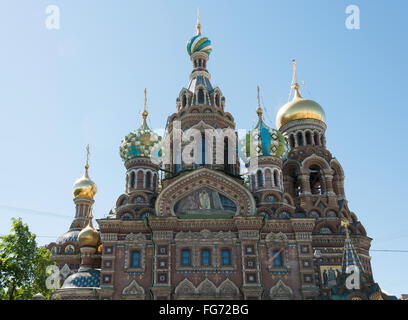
(203, 155)
(260, 178)
(292, 141)
(200, 96)
(132, 180)
(300, 138)
(316, 139)
(276, 178)
(308, 138)
(185, 257)
(148, 180)
(226, 160)
(205, 257)
(184, 101)
(136, 259)
(226, 257)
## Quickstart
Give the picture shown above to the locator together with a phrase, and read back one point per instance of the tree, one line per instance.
(22, 264)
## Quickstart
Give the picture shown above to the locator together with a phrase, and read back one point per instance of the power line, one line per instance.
(33, 212)
(389, 250)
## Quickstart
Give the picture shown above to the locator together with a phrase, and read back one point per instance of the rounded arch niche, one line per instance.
(205, 192)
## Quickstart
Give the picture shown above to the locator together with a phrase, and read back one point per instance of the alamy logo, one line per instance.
(53, 279)
(52, 22)
(353, 20)
(353, 280)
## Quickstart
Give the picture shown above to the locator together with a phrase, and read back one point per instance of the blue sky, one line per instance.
(62, 89)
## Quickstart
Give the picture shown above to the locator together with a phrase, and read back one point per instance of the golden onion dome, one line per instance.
(299, 108)
(84, 187)
(89, 237)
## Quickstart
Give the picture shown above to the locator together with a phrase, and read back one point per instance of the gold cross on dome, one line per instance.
(87, 156)
(345, 223)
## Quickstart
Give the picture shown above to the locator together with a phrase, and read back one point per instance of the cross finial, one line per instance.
(295, 84)
(259, 110)
(87, 157)
(145, 113)
(345, 223)
(198, 22)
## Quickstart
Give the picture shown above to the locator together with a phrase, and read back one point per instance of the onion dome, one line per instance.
(84, 187)
(88, 278)
(263, 141)
(89, 237)
(70, 236)
(141, 142)
(199, 43)
(299, 108)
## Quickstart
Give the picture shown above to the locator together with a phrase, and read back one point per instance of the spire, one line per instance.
(350, 256)
(87, 161)
(145, 113)
(198, 28)
(295, 84)
(259, 111)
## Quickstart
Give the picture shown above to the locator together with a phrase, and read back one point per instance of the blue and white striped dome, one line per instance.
(199, 43)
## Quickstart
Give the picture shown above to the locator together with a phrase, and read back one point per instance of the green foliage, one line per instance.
(22, 264)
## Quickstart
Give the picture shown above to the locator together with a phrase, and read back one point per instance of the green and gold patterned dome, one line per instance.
(140, 143)
(199, 43)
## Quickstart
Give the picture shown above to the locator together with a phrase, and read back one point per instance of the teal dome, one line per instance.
(83, 279)
(139, 144)
(263, 141)
(199, 43)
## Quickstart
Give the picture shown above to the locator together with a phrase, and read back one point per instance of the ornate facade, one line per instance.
(203, 230)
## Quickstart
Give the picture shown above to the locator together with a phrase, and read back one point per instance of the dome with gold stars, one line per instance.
(89, 237)
(299, 108)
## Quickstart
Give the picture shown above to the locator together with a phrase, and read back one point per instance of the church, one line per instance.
(264, 216)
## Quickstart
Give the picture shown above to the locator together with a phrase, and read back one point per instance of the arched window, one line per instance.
(184, 100)
(260, 178)
(226, 257)
(148, 180)
(308, 138)
(316, 185)
(300, 139)
(205, 257)
(276, 178)
(200, 96)
(316, 138)
(185, 257)
(135, 259)
(292, 141)
(132, 180)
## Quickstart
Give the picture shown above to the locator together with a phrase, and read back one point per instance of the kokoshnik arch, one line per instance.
(201, 230)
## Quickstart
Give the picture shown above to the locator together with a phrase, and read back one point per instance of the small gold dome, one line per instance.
(84, 187)
(89, 237)
(299, 108)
